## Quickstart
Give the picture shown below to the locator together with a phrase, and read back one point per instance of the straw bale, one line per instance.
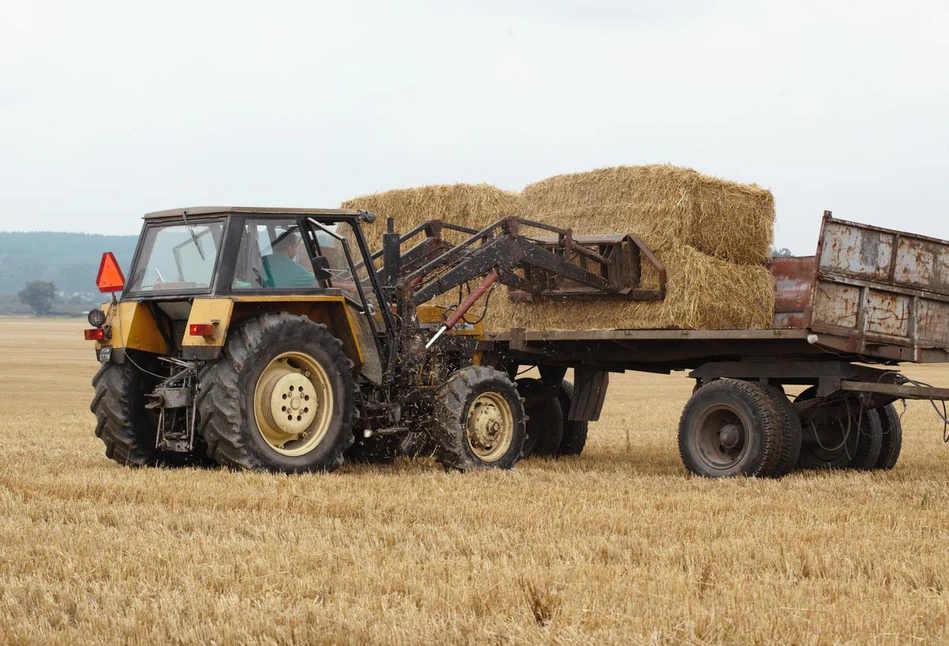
(470, 205)
(702, 292)
(668, 205)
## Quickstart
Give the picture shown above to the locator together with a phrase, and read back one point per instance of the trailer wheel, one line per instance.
(730, 428)
(892, 441)
(839, 442)
(479, 420)
(867, 452)
(545, 421)
(280, 397)
(574, 431)
(791, 432)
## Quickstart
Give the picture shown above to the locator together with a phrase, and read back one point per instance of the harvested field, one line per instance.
(667, 205)
(616, 546)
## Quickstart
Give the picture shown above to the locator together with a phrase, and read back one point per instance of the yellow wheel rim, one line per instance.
(293, 403)
(489, 426)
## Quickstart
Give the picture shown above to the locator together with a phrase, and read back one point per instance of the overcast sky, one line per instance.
(112, 109)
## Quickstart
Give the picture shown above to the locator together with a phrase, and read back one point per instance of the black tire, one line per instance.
(840, 443)
(227, 390)
(122, 421)
(482, 387)
(892, 440)
(867, 452)
(790, 449)
(730, 428)
(376, 449)
(574, 431)
(544, 418)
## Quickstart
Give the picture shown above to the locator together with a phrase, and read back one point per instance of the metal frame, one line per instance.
(432, 267)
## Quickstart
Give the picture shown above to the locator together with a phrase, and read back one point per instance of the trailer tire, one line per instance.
(479, 420)
(791, 436)
(730, 428)
(892, 437)
(574, 431)
(870, 442)
(262, 357)
(853, 443)
(545, 420)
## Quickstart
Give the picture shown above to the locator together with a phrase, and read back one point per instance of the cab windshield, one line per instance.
(177, 257)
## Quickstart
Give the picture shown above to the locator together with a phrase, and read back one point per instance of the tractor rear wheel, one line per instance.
(479, 420)
(544, 418)
(730, 428)
(280, 397)
(574, 431)
(892, 440)
(123, 423)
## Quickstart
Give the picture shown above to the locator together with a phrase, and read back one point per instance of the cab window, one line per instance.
(328, 241)
(273, 255)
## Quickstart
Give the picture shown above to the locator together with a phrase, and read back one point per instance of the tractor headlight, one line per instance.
(96, 317)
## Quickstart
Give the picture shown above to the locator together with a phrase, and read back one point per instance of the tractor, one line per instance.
(277, 340)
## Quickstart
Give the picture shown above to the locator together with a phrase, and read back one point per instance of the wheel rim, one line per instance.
(722, 438)
(293, 403)
(489, 426)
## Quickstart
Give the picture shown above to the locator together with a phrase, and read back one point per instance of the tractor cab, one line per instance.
(219, 251)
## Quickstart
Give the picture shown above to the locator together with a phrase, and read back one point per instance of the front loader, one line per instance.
(274, 339)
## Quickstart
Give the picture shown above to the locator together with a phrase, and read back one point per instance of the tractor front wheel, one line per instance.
(479, 420)
(280, 398)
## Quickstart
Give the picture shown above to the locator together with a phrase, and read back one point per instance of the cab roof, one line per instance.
(262, 211)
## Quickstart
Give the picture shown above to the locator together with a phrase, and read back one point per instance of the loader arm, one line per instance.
(557, 267)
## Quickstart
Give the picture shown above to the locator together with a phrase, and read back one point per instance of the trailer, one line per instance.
(845, 318)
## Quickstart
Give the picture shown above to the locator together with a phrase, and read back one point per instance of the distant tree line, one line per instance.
(68, 260)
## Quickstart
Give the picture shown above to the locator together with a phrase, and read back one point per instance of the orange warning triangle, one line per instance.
(110, 278)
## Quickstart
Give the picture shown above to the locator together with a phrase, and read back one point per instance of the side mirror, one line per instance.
(321, 267)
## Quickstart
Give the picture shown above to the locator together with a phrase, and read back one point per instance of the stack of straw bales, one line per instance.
(712, 236)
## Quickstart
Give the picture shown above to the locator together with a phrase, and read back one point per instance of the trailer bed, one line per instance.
(869, 295)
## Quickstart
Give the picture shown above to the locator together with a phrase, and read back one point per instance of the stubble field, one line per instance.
(616, 546)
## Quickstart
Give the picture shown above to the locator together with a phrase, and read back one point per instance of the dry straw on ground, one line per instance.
(617, 546)
(672, 206)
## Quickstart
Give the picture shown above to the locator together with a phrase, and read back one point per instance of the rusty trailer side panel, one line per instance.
(882, 292)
